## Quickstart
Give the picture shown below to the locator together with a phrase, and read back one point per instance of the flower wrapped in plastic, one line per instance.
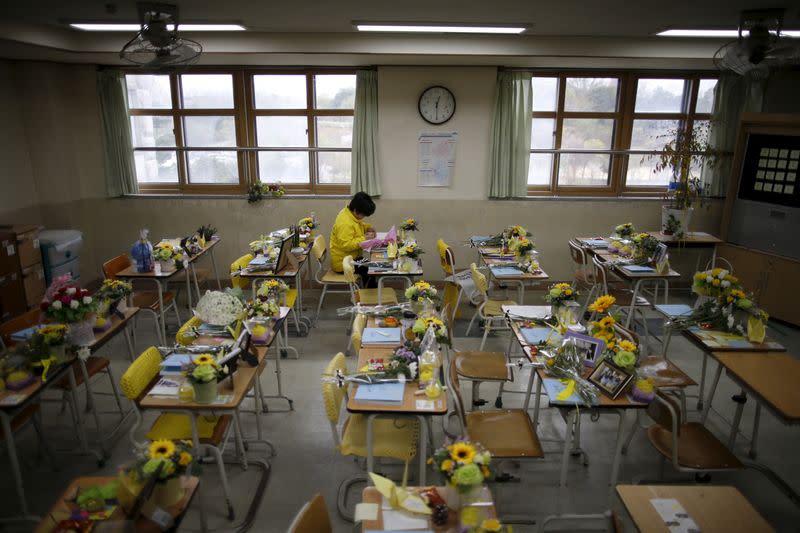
(567, 363)
(624, 231)
(219, 308)
(423, 324)
(272, 289)
(422, 290)
(409, 224)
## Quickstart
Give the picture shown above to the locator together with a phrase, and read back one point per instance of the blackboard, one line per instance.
(771, 169)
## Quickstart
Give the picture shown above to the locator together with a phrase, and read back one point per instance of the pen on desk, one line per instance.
(382, 333)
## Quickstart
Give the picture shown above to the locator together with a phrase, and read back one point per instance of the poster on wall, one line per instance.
(437, 159)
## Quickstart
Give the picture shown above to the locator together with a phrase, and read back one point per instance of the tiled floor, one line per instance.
(307, 461)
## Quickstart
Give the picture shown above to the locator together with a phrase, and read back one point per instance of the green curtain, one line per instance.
(364, 174)
(511, 135)
(733, 95)
(117, 144)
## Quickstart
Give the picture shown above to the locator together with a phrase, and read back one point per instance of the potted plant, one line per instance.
(202, 373)
(684, 153)
(169, 461)
(74, 307)
(423, 297)
(168, 256)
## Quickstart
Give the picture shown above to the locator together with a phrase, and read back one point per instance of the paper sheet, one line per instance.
(366, 511)
(674, 515)
(437, 155)
(401, 520)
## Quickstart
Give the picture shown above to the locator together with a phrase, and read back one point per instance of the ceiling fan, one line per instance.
(158, 44)
(760, 46)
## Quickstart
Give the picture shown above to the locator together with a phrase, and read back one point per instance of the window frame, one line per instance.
(625, 114)
(245, 115)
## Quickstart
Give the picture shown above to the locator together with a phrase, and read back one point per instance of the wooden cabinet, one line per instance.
(774, 280)
(23, 282)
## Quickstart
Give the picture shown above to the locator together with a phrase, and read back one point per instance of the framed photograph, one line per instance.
(610, 379)
(660, 254)
(590, 347)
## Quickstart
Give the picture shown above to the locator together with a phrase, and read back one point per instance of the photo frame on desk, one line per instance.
(590, 348)
(286, 259)
(610, 379)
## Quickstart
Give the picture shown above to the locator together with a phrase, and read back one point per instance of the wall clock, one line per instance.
(437, 104)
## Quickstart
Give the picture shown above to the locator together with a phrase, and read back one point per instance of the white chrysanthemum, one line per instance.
(709, 279)
(74, 304)
(87, 300)
(722, 274)
(71, 290)
(57, 305)
(725, 283)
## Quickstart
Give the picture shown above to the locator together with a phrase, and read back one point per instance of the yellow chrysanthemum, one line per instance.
(462, 452)
(161, 449)
(185, 458)
(447, 464)
(627, 346)
(607, 322)
(491, 524)
(204, 359)
(602, 304)
(563, 286)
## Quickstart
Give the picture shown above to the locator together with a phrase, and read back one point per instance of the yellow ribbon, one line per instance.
(45, 364)
(568, 390)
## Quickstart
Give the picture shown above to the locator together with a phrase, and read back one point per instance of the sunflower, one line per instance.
(462, 452)
(185, 458)
(602, 304)
(447, 464)
(161, 449)
(204, 359)
(607, 322)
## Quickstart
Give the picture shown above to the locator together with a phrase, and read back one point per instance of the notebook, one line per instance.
(174, 363)
(381, 392)
(554, 387)
(25, 334)
(596, 243)
(381, 336)
(673, 310)
(638, 268)
(534, 336)
(165, 387)
(527, 311)
(506, 271)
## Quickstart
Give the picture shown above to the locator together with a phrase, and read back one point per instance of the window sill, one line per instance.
(243, 197)
(588, 198)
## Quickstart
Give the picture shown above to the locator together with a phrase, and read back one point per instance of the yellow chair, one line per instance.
(211, 431)
(312, 518)
(185, 336)
(359, 323)
(451, 296)
(236, 280)
(365, 296)
(394, 438)
(329, 278)
(489, 310)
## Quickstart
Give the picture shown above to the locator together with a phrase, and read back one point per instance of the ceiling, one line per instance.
(566, 28)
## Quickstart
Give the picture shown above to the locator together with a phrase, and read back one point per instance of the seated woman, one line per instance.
(349, 230)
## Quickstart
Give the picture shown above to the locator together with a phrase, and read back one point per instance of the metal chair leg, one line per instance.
(114, 389)
(319, 305)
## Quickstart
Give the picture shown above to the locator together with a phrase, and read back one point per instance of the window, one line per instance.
(213, 131)
(592, 133)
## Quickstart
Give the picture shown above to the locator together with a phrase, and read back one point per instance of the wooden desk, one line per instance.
(714, 509)
(371, 495)
(488, 258)
(383, 275)
(117, 324)
(61, 510)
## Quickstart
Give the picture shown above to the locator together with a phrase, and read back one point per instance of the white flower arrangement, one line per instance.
(219, 308)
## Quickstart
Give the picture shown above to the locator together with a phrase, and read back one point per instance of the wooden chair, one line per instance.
(312, 518)
(489, 310)
(325, 276)
(145, 300)
(365, 296)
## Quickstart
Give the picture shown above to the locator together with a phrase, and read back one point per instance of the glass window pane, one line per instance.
(334, 167)
(335, 132)
(584, 169)
(152, 131)
(542, 133)
(652, 134)
(280, 91)
(591, 94)
(540, 169)
(705, 96)
(335, 91)
(207, 91)
(213, 167)
(209, 131)
(659, 96)
(148, 91)
(587, 133)
(156, 167)
(545, 94)
(286, 167)
(640, 172)
(282, 131)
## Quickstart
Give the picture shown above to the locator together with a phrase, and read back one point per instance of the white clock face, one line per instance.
(437, 105)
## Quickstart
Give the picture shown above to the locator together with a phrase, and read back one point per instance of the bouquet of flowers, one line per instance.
(464, 464)
(422, 324)
(624, 231)
(203, 369)
(272, 289)
(307, 224)
(53, 334)
(404, 361)
(603, 329)
(422, 290)
(264, 245)
(219, 308)
(644, 246)
(410, 250)
(517, 232)
(409, 224)
(69, 304)
(720, 314)
(165, 251)
(625, 354)
(520, 246)
(620, 248)
(113, 290)
(173, 457)
(716, 283)
(259, 308)
(206, 232)
(559, 293)
(257, 191)
(567, 363)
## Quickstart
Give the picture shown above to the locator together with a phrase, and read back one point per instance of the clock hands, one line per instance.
(437, 107)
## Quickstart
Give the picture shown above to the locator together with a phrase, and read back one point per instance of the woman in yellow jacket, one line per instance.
(349, 231)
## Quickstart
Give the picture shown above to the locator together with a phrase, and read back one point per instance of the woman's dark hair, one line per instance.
(362, 204)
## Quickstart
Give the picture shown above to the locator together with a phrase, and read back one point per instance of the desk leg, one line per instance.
(537, 401)
(703, 383)
(754, 442)
(423, 448)
(14, 460)
(90, 405)
(189, 271)
(635, 294)
(711, 392)
(528, 392)
(196, 452)
(623, 417)
(129, 341)
(162, 312)
(214, 267)
(370, 457)
(567, 447)
(740, 400)
(237, 435)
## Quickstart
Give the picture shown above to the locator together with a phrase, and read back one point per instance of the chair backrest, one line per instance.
(577, 253)
(359, 323)
(117, 264)
(600, 274)
(236, 266)
(455, 391)
(332, 394)
(446, 257)
(665, 412)
(312, 518)
(184, 336)
(319, 248)
(141, 372)
(479, 279)
(23, 321)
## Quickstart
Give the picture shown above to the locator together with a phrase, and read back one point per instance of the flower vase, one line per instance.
(205, 392)
(167, 493)
(58, 353)
(121, 306)
(682, 218)
(457, 498)
(407, 264)
(167, 266)
(755, 330)
(81, 333)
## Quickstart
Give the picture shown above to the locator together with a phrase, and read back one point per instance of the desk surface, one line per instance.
(714, 509)
(117, 324)
(130, 272)
(60, 510)
(773, 377)
(710, 340)
(692, 238)
(371, 495)
(489, 257)
(288, 272)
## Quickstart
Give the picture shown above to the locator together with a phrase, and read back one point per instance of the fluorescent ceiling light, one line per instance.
(439, 28)
(135, 27)
(715, 33)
